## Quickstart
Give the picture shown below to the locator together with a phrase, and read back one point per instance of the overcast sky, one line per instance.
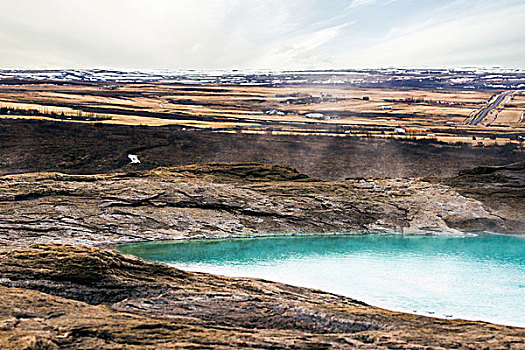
(260, 34)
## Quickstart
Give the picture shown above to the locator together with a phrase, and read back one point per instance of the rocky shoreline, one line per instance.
(61, 287)
(219, 200)
(78, 297)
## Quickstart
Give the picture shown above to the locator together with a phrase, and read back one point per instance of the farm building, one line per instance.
(315, 116)
(274, 112)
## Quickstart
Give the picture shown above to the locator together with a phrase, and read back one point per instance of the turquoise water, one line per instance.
(476, 278)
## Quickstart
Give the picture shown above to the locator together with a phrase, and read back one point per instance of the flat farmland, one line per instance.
(289, 109)
(512, 115)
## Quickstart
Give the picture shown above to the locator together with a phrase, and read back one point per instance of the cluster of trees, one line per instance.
(35, 112)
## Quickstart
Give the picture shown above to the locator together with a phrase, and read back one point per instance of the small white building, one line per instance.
(400, 130)
(315, 116)
(274, 112)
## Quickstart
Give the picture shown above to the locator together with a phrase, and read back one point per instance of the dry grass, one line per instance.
(216, 106)
(511, 112)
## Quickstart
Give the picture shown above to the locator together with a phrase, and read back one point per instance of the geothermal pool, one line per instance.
(474, 277)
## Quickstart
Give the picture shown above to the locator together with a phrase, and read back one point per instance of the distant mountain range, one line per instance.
(460, 78)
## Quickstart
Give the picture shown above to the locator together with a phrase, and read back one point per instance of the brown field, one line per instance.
(91, 148)
(227, 107)
(511, 114)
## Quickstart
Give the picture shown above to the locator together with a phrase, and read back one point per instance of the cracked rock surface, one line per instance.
(218, 200)
(56, 296)
(61, 296)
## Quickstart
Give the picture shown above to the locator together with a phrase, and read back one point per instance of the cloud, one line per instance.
(363, 3)
(299, 51)
(486, 35)
(145, 34)
(276, 34)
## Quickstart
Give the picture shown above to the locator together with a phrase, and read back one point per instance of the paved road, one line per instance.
(486, 111)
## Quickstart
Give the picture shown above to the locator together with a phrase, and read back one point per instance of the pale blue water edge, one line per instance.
(473, 277)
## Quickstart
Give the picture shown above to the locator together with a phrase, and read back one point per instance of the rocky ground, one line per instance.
(54, 295)
(77, 297)
(218, 200)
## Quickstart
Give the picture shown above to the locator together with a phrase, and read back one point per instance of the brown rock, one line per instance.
(221, 200)
(45, 305)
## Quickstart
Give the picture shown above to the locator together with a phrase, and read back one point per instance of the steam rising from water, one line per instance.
(471, 277)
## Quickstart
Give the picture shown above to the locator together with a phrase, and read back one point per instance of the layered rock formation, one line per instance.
(218, 200)
(77, 297)
(63, 296)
